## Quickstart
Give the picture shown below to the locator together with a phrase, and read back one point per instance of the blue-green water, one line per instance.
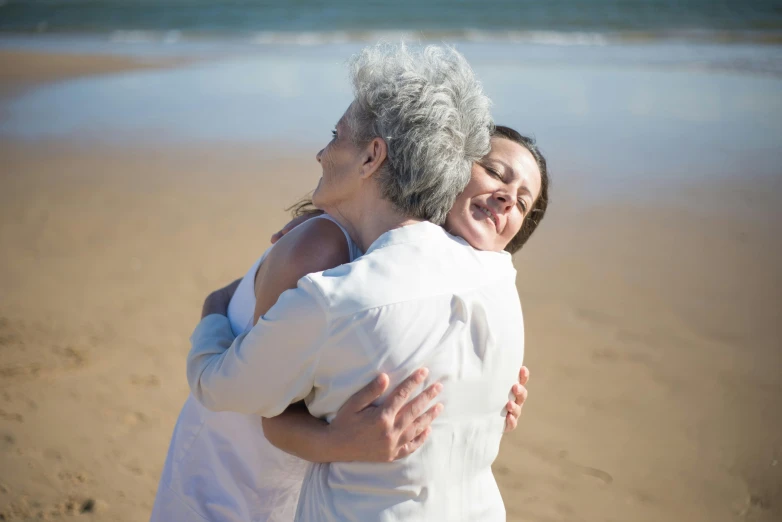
(605, 115)
(449, 19)
(614, 90)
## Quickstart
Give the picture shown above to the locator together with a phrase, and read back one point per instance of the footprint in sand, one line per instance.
(7, 444)
(73, 477)
(33, 348)
(134, 467)
(15, 417)
(755, 504)
(134, 418)
(74, 505)
(596, 473)
(52, 454)
(593, 317)
(148, 381)
(574, 468)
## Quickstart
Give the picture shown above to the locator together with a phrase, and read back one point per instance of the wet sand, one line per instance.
(654, 328)
(20, 69)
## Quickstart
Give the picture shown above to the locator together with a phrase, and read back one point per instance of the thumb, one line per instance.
(366, 395)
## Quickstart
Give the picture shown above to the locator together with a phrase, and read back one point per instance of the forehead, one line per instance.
(343, 120)
(523, 169)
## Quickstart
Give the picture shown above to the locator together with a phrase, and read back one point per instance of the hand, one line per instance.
(293, 223)
(390, 431)
(519, 390)
(217, 301)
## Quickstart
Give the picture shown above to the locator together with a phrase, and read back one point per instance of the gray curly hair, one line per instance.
(430, 109)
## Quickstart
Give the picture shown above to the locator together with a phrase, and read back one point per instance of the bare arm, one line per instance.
(366, 433)
(315, 246)
(251, 373)
(361, 431)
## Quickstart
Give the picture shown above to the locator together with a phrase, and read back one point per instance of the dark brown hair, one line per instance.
(304, 207)
(538, 210)
(531, 220)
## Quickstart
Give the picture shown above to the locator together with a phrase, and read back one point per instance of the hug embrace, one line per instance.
(397, 276)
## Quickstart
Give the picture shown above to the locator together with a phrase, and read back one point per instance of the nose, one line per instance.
(317, 156)
(505, 201)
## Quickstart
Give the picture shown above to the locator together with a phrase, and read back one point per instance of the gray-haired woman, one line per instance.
(401, 154)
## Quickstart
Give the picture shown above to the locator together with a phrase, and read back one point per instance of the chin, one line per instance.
(478, 241)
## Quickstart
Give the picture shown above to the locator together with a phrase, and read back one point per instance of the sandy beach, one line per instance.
(654, 325)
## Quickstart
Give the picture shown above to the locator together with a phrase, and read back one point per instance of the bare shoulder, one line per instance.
(313, 246)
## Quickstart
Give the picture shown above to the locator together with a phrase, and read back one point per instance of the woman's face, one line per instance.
(503, 187)
(340, 161)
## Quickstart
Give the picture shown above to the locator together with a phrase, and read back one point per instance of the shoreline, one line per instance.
(22, 69)
(551, 36)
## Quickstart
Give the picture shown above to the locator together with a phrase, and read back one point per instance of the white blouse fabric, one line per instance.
(419, 297)
(220, 467)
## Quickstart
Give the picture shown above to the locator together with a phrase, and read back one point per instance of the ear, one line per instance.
(375, 153)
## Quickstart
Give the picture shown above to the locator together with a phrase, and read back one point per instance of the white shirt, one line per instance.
(418, 297)
(220, 466)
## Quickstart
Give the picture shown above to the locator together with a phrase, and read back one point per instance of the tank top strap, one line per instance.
(355, 252)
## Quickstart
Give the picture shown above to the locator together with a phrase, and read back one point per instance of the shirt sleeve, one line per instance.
(266, 369)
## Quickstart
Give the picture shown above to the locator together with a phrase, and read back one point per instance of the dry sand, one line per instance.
(654, 329)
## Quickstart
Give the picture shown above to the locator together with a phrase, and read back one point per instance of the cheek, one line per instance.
(514, 226)
(326, 160)
(458, 215)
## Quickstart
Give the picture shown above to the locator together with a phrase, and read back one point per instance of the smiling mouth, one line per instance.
(488, 213)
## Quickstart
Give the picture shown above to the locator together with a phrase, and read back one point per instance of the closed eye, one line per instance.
(523, 205)
(492, 172)
(334, 134)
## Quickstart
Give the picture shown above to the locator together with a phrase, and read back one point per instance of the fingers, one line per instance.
(523, 375)
(413, 445)
(403, 392)
(514, 410)
(514, 407)
(410, 412)
(366, 395)
(293, 223)
(420, 423)
(520, 393)
(231, 289)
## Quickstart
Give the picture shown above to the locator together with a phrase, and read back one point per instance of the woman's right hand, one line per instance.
(390, 431)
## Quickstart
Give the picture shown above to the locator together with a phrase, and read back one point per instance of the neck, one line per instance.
(369, 219)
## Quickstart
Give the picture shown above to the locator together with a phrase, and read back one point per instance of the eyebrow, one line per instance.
(507, 167)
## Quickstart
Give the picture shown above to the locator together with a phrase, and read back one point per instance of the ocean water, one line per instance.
(606, 116)
(339, 20)
(615, 91)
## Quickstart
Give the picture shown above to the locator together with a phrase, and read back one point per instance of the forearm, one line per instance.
(251, 373)
(210, 340)
(225, 373)
(297, 432)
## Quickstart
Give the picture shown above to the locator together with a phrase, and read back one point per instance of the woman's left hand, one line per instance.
(217, 301)
(519, 390)
(392, 430)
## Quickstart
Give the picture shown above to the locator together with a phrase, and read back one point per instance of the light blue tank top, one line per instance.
(242, 305)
